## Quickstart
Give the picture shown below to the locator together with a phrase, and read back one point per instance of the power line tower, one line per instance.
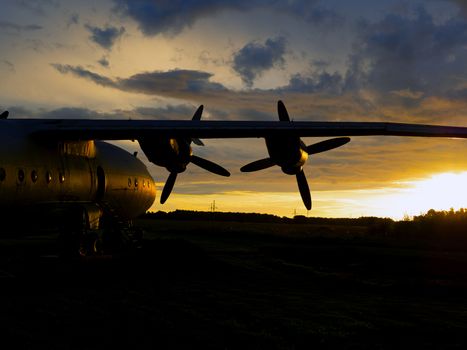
(213, 206)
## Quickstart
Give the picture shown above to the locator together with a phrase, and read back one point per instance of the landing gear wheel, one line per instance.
(90, 245)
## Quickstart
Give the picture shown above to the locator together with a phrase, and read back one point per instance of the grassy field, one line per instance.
(227, 285)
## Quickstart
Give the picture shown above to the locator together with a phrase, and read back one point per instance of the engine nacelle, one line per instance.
(173, 154)
(288, 153)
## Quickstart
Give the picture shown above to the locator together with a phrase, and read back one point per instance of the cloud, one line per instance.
(73, 19)
(410, 53)
(104, 62)
(10, 26)
(255, 58)
(9, 66)
(171, 17)
(462, 5)
(321, 82)
(84, 73)
(59, 113)
(38, 6)
(105, 37)
(179, 83)
(179, 80)
(407, 93)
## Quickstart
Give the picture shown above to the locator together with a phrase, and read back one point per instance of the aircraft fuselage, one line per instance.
(49, 172)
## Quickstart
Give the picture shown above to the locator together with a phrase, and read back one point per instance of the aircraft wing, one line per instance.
(93, 129)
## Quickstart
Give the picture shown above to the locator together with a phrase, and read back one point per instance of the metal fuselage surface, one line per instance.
(35, 172)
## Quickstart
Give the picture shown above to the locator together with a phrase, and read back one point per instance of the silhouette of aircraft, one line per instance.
(65, 163)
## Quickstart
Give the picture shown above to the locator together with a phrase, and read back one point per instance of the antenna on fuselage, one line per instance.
(4, 115)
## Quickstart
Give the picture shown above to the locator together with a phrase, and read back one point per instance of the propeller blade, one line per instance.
(258, 165)
(304, 189)
(197, 116)
(282, 111)
(327, 145)
(197, 141)
(4, 115)
(209, 166)
(198, 113)
(169, 184)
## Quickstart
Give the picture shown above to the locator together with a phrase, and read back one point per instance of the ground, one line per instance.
(226, 285)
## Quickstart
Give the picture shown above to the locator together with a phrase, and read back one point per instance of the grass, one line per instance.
(222, 285)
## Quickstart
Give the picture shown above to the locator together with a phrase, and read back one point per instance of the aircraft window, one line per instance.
(61, 178)
(136, 182)
(2, 174)
(48, 177)
(144, 183)
(34, 176)
(20, 175)
(129, 182)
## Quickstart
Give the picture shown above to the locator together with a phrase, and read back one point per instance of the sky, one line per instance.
(389, 60)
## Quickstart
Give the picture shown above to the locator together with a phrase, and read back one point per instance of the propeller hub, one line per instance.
(294, 170)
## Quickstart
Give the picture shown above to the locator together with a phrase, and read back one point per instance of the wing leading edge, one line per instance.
(79, 129)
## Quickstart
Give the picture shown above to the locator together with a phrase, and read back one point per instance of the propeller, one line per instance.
(209, 166)
(185, 156)
(197, 116)
(290, 153)
(304, 189)
(258, 165)
(169, 185)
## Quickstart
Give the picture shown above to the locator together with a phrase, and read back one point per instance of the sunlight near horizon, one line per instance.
(440, 192)
(405, 198)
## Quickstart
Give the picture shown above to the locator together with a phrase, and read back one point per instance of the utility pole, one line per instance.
(213, 206)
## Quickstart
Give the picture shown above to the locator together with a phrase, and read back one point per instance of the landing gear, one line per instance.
(83, 234)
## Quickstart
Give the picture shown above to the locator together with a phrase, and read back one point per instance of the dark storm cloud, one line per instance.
(179, 80)
(322, 82)
(170, 83)
(462, 5)
(10, 26)
(255, 58)
(410, 53)
(105, 37)
(400, 60)
(171, 17)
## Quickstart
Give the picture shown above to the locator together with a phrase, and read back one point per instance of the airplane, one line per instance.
(65, 166)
